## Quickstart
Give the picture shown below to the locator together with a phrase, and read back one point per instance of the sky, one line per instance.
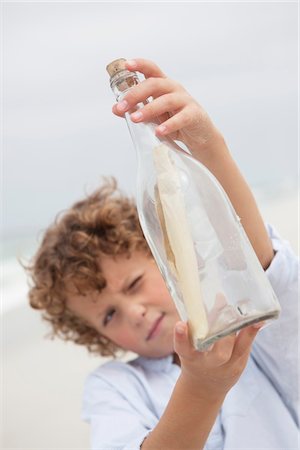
(238, 59)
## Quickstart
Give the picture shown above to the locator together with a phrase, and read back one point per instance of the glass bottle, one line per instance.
(195, 236)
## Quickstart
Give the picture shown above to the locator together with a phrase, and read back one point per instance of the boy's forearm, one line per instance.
(219, 161)
(200, 390)
(186, 422)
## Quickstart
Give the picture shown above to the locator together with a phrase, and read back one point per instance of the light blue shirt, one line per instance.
(124, 401)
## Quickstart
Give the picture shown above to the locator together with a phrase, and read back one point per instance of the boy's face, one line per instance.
(135, 310)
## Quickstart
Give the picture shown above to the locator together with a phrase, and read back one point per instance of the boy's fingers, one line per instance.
(173, 124)
(116, 111)
(153, 87)
(222, 350)
(159, 106)
(148, 68)
(182, 345)
(244, 342)
(139, 94)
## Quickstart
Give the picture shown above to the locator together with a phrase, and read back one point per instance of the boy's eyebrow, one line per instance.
(129, 280)
(125, 286)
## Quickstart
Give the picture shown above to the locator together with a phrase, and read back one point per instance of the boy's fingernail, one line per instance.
(122, 106)
(136, 115)
(161, 129)
(131, 63)
(259, 325)
(209, 349)
(180, 329)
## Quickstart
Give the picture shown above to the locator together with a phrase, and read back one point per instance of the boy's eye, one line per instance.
(108, 316)
(135, 282)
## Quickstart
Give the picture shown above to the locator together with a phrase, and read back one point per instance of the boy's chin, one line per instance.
(160, 352)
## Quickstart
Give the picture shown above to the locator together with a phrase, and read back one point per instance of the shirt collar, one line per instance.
(164, 364)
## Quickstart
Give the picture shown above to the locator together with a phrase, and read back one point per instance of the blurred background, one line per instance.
(238, 59)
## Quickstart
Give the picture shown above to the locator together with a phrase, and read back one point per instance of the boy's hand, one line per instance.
(179, 115)
(211, 374)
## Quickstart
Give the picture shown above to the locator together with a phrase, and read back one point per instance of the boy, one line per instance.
(98, 285)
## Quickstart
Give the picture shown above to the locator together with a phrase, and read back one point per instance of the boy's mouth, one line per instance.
(155, 326)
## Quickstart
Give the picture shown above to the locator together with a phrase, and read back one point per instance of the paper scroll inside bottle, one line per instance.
(178, 240)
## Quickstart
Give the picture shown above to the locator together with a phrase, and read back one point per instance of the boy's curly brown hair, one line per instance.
(106, 222)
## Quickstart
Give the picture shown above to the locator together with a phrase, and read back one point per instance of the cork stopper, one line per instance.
(116, 66)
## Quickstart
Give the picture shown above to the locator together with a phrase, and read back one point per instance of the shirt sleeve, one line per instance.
(275, 349)
(119, 417)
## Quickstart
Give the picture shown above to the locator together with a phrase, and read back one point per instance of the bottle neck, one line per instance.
(122, 81)
(142, 134)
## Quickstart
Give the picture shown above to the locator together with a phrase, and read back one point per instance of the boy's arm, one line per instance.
(182, 118)
(221, 164)
(186, 422)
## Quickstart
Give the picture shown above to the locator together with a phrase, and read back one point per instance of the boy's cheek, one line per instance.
(123, 338)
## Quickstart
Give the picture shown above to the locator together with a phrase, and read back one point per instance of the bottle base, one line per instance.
(204, 344)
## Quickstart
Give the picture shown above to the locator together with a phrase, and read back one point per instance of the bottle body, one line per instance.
(197, 240)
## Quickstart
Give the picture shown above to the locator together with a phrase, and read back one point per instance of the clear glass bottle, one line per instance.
(194, 234)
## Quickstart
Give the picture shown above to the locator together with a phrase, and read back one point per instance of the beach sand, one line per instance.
(43, 379)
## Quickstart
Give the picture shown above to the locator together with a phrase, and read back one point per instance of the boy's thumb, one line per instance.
(180, 328)
(181, 339)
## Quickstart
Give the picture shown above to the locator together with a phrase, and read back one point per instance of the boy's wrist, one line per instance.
(198, 391)
(209, 150)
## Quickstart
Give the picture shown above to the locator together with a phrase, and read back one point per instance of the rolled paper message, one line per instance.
(179, 240)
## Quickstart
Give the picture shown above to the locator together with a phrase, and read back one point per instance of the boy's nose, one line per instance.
(136, 313)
